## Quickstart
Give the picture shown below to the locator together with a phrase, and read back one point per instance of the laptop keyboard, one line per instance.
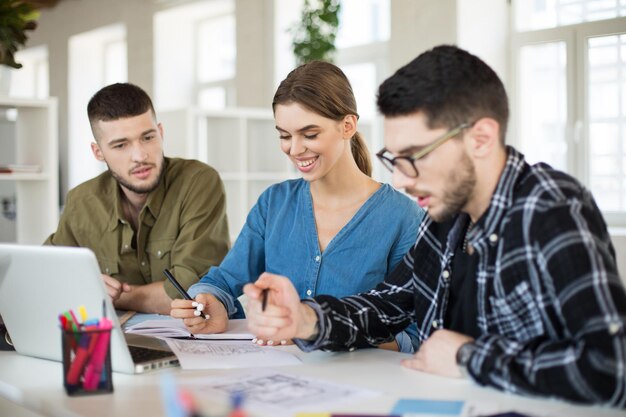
(141, 354)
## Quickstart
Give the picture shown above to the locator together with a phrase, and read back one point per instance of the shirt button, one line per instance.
(143, 263)
(125, 246)
(107, 270)
(614, 328)
(446, 274)
(158, 253)
(493, 238)
(317, 258)
(309, 292)
(435, 324)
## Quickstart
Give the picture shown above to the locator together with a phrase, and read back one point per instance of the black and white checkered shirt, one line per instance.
(551, 306)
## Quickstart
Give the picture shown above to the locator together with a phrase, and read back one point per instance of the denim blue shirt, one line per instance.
(280, 237)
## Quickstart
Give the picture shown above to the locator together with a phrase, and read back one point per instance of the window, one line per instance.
(606, 116)
(569, 93)
(362, 22)
(216, 55)
(96, 58)
(195, 55)
(543, 110)
(32, 80)
(541, 14)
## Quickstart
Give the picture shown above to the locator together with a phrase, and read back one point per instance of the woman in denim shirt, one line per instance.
(335, 231)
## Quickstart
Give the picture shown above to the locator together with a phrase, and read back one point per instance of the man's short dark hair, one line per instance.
(450, 86)
(118, 101)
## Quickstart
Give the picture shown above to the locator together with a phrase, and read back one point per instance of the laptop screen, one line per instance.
(37, 283)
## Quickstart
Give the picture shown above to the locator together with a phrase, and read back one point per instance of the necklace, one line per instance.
(467, 232)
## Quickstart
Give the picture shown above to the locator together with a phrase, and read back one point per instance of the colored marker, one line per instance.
(82, 354)
(82, 310)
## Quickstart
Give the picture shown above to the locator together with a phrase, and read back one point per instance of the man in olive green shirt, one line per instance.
(146, 212)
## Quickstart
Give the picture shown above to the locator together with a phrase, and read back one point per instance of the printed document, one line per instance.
(222, 354)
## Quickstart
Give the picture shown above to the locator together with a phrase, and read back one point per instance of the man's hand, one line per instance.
(114, 287)
(147, 298)
(284, 317)
(437, 355)
(216, 315)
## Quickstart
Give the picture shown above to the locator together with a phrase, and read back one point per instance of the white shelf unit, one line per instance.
(35, 142)
(242, 144)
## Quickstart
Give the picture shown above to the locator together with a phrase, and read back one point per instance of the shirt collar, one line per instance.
(117, 214)
(502, 198)
(156, 197)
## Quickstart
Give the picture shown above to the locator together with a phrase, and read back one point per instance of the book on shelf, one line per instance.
(19, 169)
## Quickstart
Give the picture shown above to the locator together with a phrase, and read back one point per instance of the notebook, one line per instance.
(39, 282)
(175, 328)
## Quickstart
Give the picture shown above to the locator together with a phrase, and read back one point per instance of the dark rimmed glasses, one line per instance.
(406, 163)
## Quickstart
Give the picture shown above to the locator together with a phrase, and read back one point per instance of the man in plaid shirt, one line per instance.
(512, 280)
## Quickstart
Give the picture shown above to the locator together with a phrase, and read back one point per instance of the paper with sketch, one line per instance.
(276, 393)
(237, 330)
(214, 354)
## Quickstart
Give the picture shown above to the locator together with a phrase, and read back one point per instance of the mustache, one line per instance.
(140, 166)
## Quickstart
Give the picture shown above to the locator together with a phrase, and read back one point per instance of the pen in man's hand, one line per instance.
(179, 288)
(264, 299)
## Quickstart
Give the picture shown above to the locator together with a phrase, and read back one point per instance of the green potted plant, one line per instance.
(16, 18)
(314, 35)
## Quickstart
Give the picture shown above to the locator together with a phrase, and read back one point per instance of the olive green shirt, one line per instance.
(182, 227)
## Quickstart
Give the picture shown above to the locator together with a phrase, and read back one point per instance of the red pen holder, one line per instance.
(87, 361)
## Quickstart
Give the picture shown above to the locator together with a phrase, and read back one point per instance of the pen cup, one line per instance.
(87, 361)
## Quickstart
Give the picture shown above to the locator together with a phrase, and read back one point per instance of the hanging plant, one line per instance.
(16, 17)
(314, 36)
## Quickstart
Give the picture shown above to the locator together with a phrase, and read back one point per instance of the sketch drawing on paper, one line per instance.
(282, 390)
(216, 349)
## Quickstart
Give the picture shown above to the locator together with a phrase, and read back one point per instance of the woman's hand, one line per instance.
(216, 320)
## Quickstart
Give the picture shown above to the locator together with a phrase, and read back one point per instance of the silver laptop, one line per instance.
(39, 282)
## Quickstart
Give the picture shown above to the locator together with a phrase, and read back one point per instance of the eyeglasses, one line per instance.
(406, 164)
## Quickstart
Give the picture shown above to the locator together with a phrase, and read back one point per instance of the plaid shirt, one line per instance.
(551, 306)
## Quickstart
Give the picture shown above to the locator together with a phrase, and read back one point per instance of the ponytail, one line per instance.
(361, 154)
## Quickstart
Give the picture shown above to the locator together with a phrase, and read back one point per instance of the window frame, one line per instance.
(227, 83)
(577, 131)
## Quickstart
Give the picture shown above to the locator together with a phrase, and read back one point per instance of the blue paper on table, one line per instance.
(416, 406)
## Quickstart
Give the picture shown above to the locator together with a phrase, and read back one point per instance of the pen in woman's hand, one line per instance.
(179, 288)
(264, 299)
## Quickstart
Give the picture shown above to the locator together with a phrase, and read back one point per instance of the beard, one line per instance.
(461, 183)
(145, 189)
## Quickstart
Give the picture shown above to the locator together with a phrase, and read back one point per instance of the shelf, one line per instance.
(16, 103)
(242, 144)
(31, 139)
(24, 177)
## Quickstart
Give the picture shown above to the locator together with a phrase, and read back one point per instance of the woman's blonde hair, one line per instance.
(324, 89)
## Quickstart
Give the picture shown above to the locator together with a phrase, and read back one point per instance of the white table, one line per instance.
(37, 385)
